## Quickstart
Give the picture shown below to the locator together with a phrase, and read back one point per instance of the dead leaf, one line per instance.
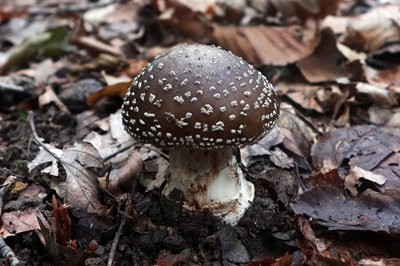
(361, 146)
(357, 176)
(299, 135)
(376, 94)
(184, 19)
(374, 29)
(306, 8)
(308, 233)
(285, 260)
(303, 94)
(118, 89)
(262, 147)
(372, 211)
(80, 189)
(48, 97)
(262, 45)
(121, 180)
(53, 42)
(327, 63)
(16, 222)
(80, 38)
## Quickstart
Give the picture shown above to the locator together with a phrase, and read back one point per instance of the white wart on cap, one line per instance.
(199, 96)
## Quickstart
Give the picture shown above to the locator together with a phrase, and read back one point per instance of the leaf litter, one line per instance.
(326, 178)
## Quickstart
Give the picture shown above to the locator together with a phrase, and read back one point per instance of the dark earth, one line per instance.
(199, 238)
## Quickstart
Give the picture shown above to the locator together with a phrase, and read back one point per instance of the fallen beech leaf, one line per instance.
(16, 222)
(262, 45)
(370, 211)
(374, 29)
(81, 38)
(262, 147)
(303, 94)
(326, 63)
(308, 233)
(118, 89)
(80, 189)
(285, 260)
(48, 97)
(121, 181)
(184, 19)
(376, 94)
(357, 176)
(306, 8)
(53, 42)
(363, 146)
(301, 135)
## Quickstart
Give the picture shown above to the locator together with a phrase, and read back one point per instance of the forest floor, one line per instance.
(327, 177)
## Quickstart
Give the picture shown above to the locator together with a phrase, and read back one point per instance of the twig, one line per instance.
(70, 9)
(115, 242)
(115, 153)
(7, 253)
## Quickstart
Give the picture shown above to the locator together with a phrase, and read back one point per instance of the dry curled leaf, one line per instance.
(374, 29)
(262, 45)
(80, 162)
(326, 63)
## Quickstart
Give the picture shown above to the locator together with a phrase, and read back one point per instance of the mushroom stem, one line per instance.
(210, 179)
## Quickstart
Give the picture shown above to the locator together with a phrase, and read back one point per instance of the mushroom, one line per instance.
(200, 102)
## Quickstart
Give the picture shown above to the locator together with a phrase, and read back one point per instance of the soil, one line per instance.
(163, 230)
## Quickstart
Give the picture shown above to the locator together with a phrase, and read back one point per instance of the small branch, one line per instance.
(7, 253)
(115, 242)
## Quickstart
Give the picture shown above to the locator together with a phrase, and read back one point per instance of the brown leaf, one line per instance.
(371, 211)
(80, 188)
(262, 45)
(358, 175)
(363, 146)
(306, 8)
(81, 38)
(16, 222)
(122, 180)
(185, 20)
(118, 89)
(326, 63)
(285, 260)
(374, 29)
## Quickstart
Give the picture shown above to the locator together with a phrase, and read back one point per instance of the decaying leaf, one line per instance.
(374, 29)
(262, 45)
(327, 63)
(80, 162)
(372, 211)
(16, 222)
(52, 42)
(362, 146)
(358, 175)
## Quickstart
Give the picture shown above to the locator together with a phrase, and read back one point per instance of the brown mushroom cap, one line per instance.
(199, 96)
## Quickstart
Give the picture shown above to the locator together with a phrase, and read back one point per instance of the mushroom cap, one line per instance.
(199, 96)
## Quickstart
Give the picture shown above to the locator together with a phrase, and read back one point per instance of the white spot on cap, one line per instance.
(167, 87)
(184, 82)
(179, 99)
(160, 65)
(206, 109)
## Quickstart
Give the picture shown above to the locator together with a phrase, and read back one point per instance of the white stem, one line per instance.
(210, 179)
